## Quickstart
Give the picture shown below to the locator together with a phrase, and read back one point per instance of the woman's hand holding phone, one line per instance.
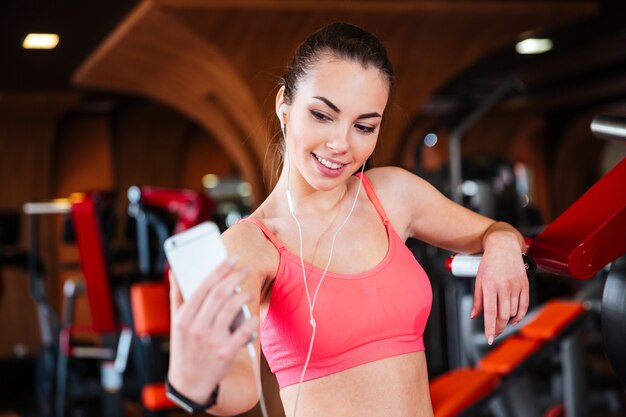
(203, 343)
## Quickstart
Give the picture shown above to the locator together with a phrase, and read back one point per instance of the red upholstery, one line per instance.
(555, 411)
(154, 399)
(456, 391)
(151, 309)
(93, 262)
(151, 316)
(553, 318)
(590, 233)
(508, 355)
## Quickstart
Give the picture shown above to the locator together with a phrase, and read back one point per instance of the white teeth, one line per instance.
(328, 164)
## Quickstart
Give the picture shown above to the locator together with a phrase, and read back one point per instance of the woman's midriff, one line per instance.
(391, 387)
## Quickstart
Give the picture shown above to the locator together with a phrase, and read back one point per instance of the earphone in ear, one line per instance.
(281, 115)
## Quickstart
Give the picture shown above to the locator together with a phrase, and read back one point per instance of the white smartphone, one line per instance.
(193, 255)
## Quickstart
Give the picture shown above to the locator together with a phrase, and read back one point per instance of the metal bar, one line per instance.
(456, 135)
(574, 386)
(609, 126)
(90, 352)
(53, 207)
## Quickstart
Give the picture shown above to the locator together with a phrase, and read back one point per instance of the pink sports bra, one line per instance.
(360, 318)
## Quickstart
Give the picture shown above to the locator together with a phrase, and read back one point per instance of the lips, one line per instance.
(327, 167)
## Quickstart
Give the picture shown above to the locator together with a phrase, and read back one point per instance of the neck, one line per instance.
(306, 198)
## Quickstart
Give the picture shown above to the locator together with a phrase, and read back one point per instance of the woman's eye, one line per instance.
(365, 129)
(319, 116)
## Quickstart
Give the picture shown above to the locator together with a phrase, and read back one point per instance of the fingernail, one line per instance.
(490, 340)
(232, 260)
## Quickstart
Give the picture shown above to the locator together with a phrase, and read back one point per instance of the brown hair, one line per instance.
(341, 40)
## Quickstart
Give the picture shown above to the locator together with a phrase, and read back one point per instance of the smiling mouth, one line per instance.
(328, 164)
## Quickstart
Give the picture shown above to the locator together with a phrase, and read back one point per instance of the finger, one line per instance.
(221, 294)
(514, 303)
(478, 299)
(244, 333)
(195, 302)
(490, 311)
(504, 306)
(524, 302)
(176, 298)
(227, 315)
(500, 326)
(504, 312)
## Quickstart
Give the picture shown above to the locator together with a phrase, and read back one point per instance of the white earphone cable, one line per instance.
(311, 304)
(257, 377)
(306, 288)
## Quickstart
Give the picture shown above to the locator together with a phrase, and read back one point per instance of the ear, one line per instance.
(280, 104)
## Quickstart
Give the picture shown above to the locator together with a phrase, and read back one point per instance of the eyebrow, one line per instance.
(336, 109)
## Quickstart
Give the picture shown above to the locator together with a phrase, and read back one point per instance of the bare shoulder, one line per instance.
(405, 197)
(247, 241)
(389, 173)
(392, 183)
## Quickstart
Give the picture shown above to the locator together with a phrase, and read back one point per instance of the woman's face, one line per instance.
(334, 120)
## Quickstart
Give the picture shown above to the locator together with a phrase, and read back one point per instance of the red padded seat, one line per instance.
(151, 309)
(509, 355)
(458, 390)
(154, 399)
(554, 317)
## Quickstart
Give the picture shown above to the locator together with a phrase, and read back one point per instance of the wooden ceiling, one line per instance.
(217, 62)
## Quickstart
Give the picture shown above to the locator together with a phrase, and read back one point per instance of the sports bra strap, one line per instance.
(374, 198)
(268, 234)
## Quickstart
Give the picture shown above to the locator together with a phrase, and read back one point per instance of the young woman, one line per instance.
(323, 264)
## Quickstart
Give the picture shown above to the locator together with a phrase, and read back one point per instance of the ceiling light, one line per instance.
(430, 140)
(534, 46)
(210, 181)
(40, 41)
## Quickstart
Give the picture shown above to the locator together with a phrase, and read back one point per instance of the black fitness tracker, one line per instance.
(185, 403)
(529, 264)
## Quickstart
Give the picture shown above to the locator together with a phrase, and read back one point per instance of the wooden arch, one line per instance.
(183, 71)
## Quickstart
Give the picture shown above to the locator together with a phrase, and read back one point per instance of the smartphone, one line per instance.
(193, 255)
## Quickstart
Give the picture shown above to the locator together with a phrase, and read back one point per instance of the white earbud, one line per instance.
(281, 116)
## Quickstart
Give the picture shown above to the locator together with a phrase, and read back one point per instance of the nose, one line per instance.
(338, 142)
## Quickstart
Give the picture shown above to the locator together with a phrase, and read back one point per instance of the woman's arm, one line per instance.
(419, 210)
(501, 289)
(203, 351)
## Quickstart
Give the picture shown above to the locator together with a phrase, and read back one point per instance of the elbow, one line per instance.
(240, 407)
(235, 399)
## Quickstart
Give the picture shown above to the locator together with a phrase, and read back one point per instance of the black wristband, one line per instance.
(529, 264)
(185, 403)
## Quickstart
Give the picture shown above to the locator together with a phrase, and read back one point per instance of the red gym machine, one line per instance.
(586, 238)
(110, 305)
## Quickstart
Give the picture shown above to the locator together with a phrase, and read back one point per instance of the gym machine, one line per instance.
(66, 385)
(59, 350)
(585, 241)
